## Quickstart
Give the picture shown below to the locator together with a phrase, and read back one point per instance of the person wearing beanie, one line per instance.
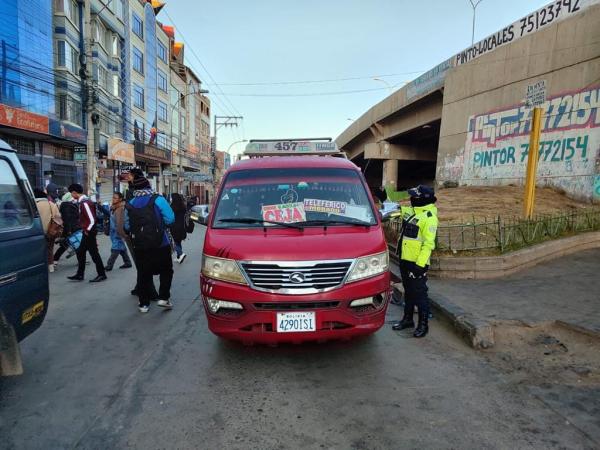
(87, 222)
(417, 241)
(147, 216)
(69, 212)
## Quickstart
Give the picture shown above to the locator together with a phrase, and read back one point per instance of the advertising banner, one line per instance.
(18, 118)
(120, 151)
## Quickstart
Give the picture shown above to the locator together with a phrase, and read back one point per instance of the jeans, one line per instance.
(114, 254)
(178, 248)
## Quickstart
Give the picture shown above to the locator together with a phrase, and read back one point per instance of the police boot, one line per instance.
(422, 327)
(407, 320)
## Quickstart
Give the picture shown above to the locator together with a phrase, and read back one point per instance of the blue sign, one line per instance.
(68, 131)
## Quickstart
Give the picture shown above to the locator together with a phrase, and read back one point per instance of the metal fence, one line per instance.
(504, 235)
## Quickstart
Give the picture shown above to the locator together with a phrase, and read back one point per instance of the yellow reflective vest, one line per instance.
(417, 238)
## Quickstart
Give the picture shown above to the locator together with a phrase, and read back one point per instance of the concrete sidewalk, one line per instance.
(566, 289)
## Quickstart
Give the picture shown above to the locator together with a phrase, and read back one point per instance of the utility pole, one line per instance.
(221, 121)
(90, 96)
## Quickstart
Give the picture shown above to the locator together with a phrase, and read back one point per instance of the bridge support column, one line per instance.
(390, 173)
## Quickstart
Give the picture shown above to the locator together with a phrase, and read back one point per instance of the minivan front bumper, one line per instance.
(335, 319)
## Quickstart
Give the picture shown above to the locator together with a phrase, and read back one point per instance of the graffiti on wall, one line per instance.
(497, 143)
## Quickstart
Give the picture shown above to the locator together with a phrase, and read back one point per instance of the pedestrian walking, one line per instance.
(69, 211)
(178, 229)
(117, 233)
(147, 216)
(87, 222)
(51, 223)
(129, 176)
(417, 241)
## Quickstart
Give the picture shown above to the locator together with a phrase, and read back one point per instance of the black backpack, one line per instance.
(147, 230)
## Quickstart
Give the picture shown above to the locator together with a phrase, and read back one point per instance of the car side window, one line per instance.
(14, 211)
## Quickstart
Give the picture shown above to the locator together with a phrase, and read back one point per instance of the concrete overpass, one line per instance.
(446, 126)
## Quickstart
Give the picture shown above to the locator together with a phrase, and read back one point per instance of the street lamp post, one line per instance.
(233, 143)
(474, 4)
(389, 86)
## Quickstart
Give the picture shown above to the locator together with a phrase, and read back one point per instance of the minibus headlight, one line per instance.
(369, 266)
(215, 305)
(222, 269)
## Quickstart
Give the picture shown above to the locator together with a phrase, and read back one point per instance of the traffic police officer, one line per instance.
(417, 241)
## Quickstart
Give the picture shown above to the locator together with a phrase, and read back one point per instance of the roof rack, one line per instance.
(292, 147)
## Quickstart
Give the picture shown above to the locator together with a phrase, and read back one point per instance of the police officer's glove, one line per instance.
(417, 272)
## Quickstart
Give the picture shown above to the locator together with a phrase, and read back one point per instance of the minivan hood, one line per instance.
(279, 244)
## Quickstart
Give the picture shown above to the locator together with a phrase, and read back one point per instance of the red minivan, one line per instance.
(294, 248)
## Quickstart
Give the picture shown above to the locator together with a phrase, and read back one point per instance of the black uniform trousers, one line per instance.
(150, 262)
(415, 289)
(89, 244)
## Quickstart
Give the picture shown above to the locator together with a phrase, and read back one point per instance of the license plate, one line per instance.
(296, 322)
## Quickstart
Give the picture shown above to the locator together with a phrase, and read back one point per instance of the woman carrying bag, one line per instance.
(178, 229)
(51, 221)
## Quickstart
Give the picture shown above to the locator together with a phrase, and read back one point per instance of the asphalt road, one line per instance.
(99, 374)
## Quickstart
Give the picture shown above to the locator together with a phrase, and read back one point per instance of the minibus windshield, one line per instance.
(304, 196)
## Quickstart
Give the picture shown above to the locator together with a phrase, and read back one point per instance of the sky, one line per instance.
(247, 52)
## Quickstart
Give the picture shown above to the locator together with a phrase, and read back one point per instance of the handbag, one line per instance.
(55, 227)
(75, 239)
(189, 224)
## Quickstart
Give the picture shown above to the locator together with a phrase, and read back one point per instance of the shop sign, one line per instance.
(18, 118)
(167, 173)
(152, 153)
(153, 169)
(120, 151)
(68, 131)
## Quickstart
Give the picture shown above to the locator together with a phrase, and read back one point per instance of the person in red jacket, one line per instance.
(87, 221)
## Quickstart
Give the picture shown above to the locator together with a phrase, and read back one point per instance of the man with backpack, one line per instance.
(147, 216)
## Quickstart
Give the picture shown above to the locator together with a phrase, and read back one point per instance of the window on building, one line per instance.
(183, 124)
(116, 86)
(162, 81)
(69, 109)
(162, 52)
(103, 78)
(114, 47)
(138, 60)
(138, 96)
(138, 25)
(162, 111)
(119, 8)
(69, 8)
(67, 56)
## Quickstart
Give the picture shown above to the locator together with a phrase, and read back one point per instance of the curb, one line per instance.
(478, 333)
(490, 267)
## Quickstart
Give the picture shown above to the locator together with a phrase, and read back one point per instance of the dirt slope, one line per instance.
(463, 203)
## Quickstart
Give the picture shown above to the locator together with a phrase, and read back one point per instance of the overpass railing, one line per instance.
(501, 235)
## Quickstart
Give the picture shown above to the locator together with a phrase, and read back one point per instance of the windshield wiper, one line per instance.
(359, 223)
(250, 220)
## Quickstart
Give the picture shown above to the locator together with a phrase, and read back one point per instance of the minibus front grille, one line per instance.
(296, 277)
(290, 306)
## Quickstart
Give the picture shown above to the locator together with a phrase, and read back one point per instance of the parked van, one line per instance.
(23, 262)
(294, 248)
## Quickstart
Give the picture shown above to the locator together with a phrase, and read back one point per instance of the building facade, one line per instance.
(35, 118)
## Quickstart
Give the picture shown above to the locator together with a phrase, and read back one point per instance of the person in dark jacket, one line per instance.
(87, 221)
(69, 212)
(178, 230)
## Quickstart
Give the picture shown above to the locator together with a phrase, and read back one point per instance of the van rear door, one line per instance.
(23, 261)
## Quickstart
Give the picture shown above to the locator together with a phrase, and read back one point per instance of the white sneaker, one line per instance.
(144, 309)
(51, 268)
(165, 304)
(181, 258)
